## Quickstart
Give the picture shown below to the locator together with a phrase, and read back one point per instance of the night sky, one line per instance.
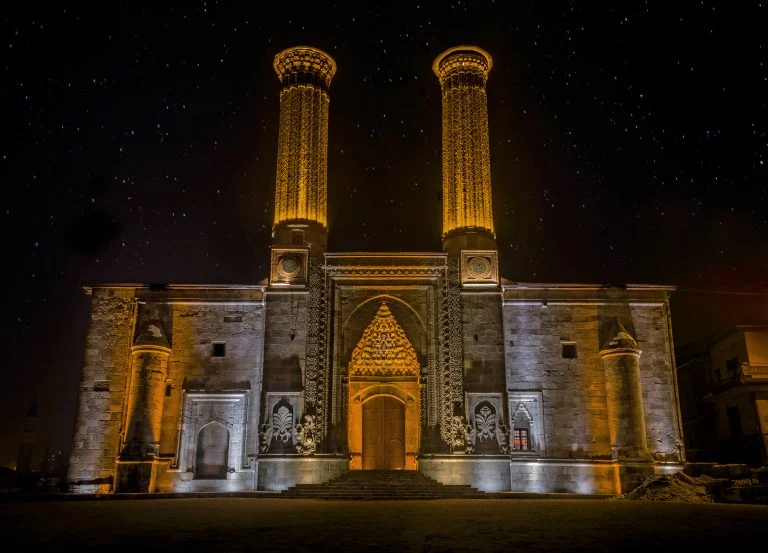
(629, 144)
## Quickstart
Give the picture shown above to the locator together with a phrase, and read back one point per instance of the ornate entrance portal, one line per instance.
(384, 398)
(383, 433)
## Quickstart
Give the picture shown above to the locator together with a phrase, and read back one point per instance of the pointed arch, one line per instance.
(212, 451)
(390, 299)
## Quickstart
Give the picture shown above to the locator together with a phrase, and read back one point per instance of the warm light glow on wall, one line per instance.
(384, 349)
(463, 72)
(301, 191)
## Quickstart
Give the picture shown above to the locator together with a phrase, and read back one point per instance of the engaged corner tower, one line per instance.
(467, 208)
(301, 190)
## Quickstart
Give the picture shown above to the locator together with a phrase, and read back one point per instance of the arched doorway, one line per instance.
(383, 434)
(384, 397)
(212, 451)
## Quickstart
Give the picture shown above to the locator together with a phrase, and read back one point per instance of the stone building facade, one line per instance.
(354, 361)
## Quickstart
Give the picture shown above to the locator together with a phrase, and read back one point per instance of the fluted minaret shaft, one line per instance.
(463, 72)
(302, 152)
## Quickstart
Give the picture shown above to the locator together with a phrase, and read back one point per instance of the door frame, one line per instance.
(403, 388)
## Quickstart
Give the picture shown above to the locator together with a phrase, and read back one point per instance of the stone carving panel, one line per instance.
(316, 374)
(479, 267)
(384, 349)
(289, 267)
(485, 414)
(451, 384)
(277, 434)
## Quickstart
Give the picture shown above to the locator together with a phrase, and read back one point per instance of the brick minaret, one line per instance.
(301, 190)
(467, 207)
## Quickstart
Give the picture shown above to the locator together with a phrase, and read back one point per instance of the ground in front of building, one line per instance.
(240, 524)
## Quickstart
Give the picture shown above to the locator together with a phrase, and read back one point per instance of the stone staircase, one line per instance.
(382, 484)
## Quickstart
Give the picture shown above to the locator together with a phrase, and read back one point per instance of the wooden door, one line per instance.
(383, 434)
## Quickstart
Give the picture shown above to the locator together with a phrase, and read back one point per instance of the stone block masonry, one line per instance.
(194, 319)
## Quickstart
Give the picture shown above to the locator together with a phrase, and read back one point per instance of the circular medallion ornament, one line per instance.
(289, 266)
(479, 268)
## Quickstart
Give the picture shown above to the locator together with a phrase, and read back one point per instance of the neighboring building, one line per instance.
(724, 396)
(28, 442)
(349, 361)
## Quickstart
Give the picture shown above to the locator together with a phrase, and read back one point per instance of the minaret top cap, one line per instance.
(619, 338)
(458, 58)
(305, 59)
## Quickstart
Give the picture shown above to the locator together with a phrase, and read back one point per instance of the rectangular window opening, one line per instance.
(521, 439)
(219, 349)
(569, 351)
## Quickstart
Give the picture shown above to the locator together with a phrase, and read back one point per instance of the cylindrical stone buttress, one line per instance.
(301, 190)
(467, 202)
(626, 422)
(149, 368)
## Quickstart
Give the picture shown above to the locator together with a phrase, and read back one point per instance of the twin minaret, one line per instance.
(301, 190)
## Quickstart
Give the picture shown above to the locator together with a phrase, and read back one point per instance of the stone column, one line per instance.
(301, 190)
(144, 414)
(467, 206)
(626, 423)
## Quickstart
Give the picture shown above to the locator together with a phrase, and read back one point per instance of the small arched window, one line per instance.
(521, 439)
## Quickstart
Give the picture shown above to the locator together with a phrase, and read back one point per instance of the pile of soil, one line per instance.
(671, 487)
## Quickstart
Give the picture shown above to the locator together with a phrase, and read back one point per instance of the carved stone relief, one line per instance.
(384, 349)
(282, 410)
(451, 385)
(289, 266)
(441, 371)
(485, 415)
(479, 267)
(316, 367)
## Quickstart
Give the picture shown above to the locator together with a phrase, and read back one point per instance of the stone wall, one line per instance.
(483, 340)
(489, 474)
(199, 316)
(280, 473)
(538, 321)
(499, 473)
(102, 390)
(573, 390)
(240, 326)
(658, 380)
(285, 340)
(565, 477)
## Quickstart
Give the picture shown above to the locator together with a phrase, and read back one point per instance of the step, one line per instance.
(382, 485)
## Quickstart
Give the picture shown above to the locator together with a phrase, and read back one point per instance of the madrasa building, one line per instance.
(337, 362)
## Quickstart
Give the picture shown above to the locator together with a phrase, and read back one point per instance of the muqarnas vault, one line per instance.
(356, 361)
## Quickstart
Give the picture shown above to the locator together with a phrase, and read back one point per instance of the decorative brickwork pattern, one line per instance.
(452, 382)
(301, 191)
(316, 375)
(463, 72)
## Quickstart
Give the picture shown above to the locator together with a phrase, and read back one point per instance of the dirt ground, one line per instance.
(258, 524)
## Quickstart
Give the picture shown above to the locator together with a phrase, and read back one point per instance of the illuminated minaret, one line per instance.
(301, 190)
(467, 209)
